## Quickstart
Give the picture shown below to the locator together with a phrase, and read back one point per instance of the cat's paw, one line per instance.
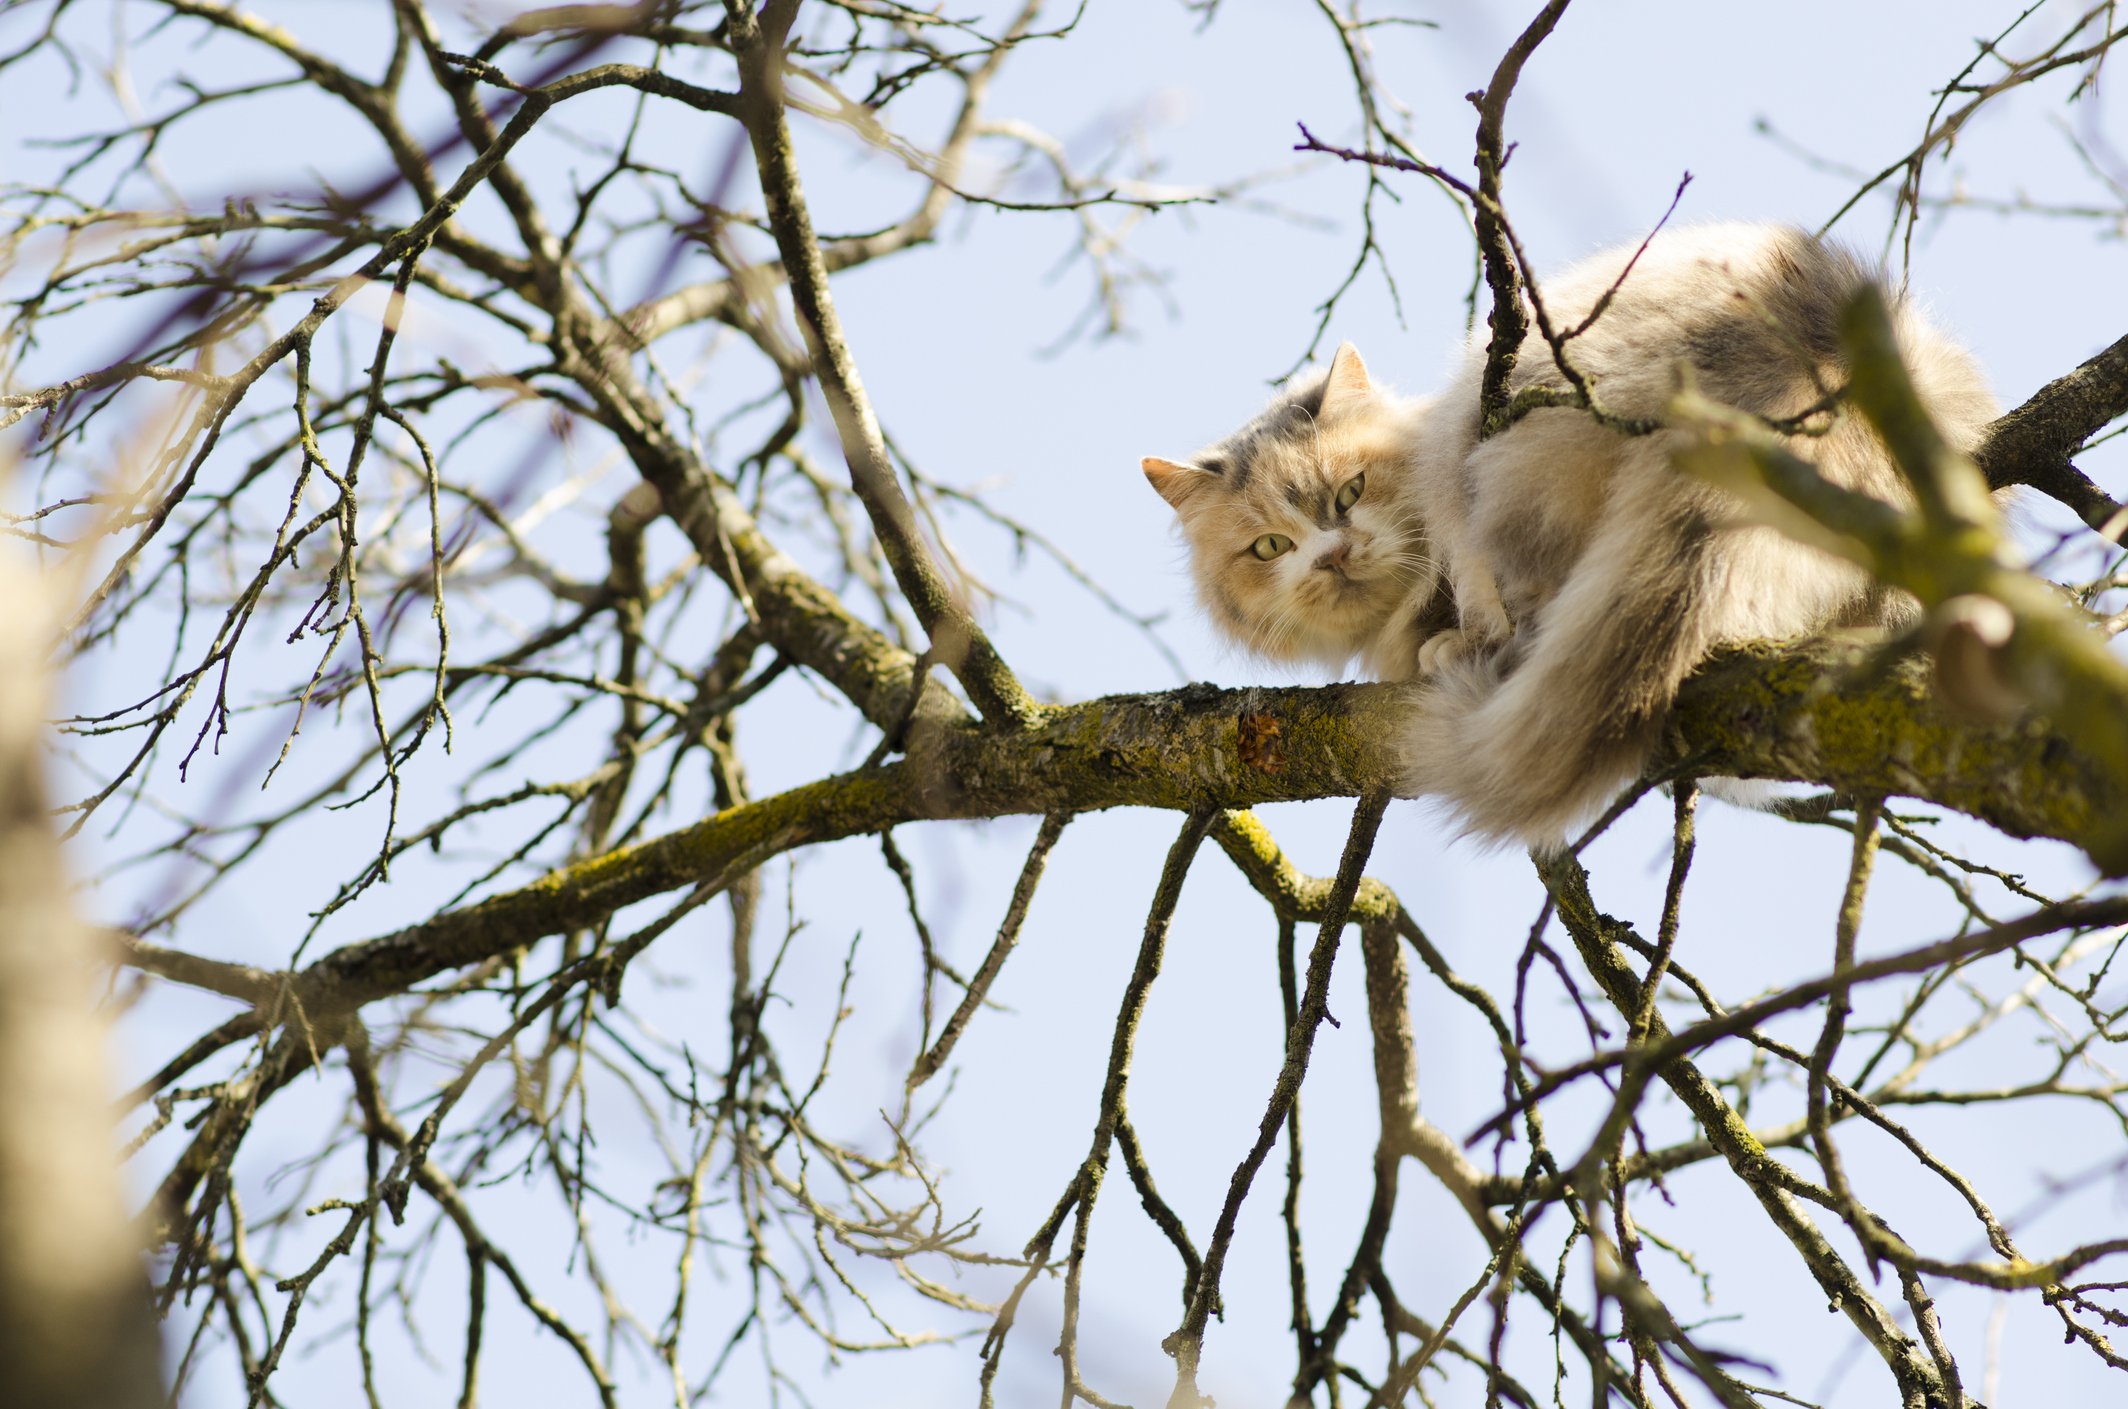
(1443, 649)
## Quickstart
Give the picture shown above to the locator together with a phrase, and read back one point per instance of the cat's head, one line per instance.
(1302, 535)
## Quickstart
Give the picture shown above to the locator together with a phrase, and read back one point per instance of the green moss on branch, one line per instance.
(1831, 712)
(1813, 711)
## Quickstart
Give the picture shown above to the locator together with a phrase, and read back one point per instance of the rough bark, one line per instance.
(2032, 444)
(1827, 712)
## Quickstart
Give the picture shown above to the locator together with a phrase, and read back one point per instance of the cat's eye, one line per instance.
(1350, 494)
(1271, 545)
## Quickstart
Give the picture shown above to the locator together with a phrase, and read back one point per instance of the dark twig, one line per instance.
(1186, 1344)
(927, 1064)
(2033, 444)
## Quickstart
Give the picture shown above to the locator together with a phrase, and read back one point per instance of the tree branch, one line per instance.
(1761, 711)
(955, 636)
(1509, 319)
(2033, 444)
(2003, 638)
(1592, 932)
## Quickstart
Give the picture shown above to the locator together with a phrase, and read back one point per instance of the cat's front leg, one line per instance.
(1481, 619)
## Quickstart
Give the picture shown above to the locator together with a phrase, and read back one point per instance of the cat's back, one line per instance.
(1753, 308)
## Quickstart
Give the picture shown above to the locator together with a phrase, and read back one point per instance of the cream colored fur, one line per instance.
(1551, 587)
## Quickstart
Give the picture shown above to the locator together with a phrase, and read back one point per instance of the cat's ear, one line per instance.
(1347, 381)
(1176, 482)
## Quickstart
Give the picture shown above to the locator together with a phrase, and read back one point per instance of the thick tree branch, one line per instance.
(2033, 444)
(796, 612)
(1835, 712)
(1825, 712)
(2059, 417)
(240, 981)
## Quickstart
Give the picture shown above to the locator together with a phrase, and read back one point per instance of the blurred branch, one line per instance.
(75, 1326)
(2001, 635)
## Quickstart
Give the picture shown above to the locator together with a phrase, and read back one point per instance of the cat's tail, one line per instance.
(1528, 740)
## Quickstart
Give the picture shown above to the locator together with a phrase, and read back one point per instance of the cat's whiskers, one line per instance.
(1286, 623)
(1421, 565)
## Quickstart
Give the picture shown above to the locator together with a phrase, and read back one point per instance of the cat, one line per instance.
(1549, 588)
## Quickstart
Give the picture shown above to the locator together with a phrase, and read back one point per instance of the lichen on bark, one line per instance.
(1833, 712)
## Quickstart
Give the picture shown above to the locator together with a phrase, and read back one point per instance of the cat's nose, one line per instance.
(1334, 560)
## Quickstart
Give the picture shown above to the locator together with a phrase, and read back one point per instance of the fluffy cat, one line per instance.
(1550, 587)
